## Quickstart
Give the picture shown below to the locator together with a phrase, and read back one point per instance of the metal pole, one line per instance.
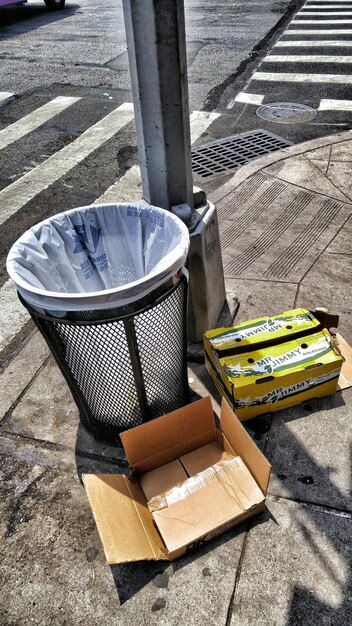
(155, 32)
(156, 42)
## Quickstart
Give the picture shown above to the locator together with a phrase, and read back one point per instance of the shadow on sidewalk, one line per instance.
(131, 578)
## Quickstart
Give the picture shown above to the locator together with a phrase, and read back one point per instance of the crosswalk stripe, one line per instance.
(335, 105)
(296, 22)
(35, 119)
(247, 98)
(331, 31)
(321, 43)
(306, 58)
(15, 196)
(303, 78)
(200, 121)
(323, 13)
(125, 189)
(325, 6)
(5, 95)
(13, 314)
(129, 185)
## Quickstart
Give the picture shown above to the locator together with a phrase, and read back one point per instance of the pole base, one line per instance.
(195, 350)
(207, 293)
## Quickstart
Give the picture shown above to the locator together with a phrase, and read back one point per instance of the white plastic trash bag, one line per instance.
(98, 257)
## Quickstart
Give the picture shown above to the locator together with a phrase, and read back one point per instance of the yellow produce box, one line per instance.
(279, 375)
(263, 331)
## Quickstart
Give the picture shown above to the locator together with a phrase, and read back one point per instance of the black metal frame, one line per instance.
(49, 327)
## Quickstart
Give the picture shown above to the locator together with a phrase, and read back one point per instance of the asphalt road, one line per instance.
(66, 124)
(308, 63)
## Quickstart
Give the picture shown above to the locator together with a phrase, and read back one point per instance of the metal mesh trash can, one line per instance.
(124, 364)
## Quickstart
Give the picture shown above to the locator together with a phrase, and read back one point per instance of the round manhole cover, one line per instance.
(286, 113)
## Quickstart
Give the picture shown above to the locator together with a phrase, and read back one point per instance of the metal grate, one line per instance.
(127, 368)
(227, 155)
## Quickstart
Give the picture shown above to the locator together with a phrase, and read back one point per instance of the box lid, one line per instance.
(123, 520)
(261, 330)
(165, 439)
(291, 356)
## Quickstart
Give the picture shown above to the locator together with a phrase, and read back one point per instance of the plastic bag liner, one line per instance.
(98, 257)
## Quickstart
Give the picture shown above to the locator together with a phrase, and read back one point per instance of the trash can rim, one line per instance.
(92, 294)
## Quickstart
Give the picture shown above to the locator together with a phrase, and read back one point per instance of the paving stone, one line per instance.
(340, 174)
(320, 154)
(258, 298)
(52, 567)
(193, 590)
(341, 151)
(303, 173)
(31, 452)
(47, 410)
(296, 569)
(328, 284)
(342, 243)
(18, 374)
(309, 449)
(53, 563)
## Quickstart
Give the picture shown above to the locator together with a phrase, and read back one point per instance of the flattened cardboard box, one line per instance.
(275, 373)
(190, 483)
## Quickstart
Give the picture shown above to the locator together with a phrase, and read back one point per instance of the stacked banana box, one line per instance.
(272, 363)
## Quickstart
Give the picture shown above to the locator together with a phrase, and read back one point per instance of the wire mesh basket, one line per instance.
(126, 365)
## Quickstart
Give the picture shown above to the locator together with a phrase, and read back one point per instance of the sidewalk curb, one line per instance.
(269, 159)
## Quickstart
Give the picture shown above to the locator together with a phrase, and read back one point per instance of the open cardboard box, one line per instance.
(198, 481)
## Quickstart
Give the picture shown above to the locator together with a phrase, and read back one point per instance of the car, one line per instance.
(53, 5)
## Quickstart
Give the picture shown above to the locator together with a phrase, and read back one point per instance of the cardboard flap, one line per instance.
(202, 458)
(244, 446)
(168, 437)
(124, 522)
(327, 320)
(345, 379)
(162, 478)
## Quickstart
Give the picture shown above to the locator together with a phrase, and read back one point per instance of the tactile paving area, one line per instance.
(227, 155)
(273, 230)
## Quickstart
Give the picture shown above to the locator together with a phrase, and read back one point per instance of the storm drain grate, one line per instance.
(227, 155)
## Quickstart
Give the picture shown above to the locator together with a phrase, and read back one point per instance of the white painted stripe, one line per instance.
(200, 121)
(335, 105)
(33, 120)
(15, 196)
(129, 185)
(323, 43)
(304, 13)
(5, 95)
(247, 98)
(325, 6)
(321, 22)
(306, 58)
(13, 314)
(127, 188)
(303, 78)
(330, 1)
(332, 31)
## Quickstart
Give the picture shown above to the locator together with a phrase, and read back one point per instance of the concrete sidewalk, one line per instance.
(286, 231)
